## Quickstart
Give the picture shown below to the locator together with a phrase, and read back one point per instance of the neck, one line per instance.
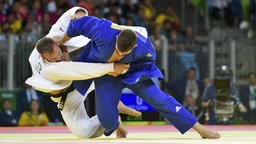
(115, 57)
(34, 112)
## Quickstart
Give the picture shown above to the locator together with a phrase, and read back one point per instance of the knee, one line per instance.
(82, 131)
(98, 133)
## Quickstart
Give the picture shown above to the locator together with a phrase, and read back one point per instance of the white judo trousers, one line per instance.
(48, 77)
(76, 118)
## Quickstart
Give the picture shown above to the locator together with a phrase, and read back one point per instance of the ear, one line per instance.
(44, 58)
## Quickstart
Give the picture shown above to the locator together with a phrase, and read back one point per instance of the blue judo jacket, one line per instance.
(102, 33)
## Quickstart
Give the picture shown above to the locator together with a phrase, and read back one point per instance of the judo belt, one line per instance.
(63, 96)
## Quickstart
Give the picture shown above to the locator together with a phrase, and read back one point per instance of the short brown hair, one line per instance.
(45, 45)
(126, 40)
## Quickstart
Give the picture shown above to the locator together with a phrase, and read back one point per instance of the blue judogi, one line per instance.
(109, 89)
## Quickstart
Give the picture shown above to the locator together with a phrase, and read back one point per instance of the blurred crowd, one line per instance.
(32, 19)
(35, 17)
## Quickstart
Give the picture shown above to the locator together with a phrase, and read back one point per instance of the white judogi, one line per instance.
(48, 77)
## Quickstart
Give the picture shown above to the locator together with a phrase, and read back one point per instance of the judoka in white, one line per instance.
(53, 75)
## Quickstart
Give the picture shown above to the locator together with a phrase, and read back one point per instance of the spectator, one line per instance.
(157, 37)
(7, 5)
(27, 34)
(113, 13)
(8, 117)
(207, 81)
(170, 15)
(97, 12)
(3, 7)
(141, 20)
(248, 98)
(51, 6)
(176, 41)
(6, 28)
(45, 25)
(148, 8)
(188, 60)
(89, 5)
(189, 35)
(3, 15)
(129, 8)
(191, 104)
(34, 116)
(25, 96)
(15, 24)
(166, 28)
(37, 12)
(188, 86)
(190, 41)
(129, 21)
(23, 10)
(51, 9)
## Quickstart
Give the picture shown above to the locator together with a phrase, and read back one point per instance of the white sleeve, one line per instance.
(76, 70)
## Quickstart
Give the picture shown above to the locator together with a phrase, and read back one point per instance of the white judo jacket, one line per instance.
(49, 76)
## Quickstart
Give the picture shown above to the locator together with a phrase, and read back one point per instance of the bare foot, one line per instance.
(121, 132)
(127, 110)
(210, 135)
(206, 133)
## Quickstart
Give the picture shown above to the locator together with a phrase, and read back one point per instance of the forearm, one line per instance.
(64, 50)
(66, 56)
(64, 39)
(76, 70)
(87, 26)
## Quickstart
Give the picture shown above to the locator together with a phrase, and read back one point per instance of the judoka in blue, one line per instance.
(108, 89)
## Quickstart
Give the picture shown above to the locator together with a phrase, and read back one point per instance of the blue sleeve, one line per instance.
(88, 26)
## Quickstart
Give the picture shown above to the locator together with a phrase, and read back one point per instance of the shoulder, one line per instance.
(25, 114)
(140, 31)
(209, 87)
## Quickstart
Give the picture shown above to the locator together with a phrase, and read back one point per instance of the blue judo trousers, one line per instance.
(108, 89)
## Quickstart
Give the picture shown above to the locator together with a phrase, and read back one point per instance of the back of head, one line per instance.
(126, 40)
(45, 45)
